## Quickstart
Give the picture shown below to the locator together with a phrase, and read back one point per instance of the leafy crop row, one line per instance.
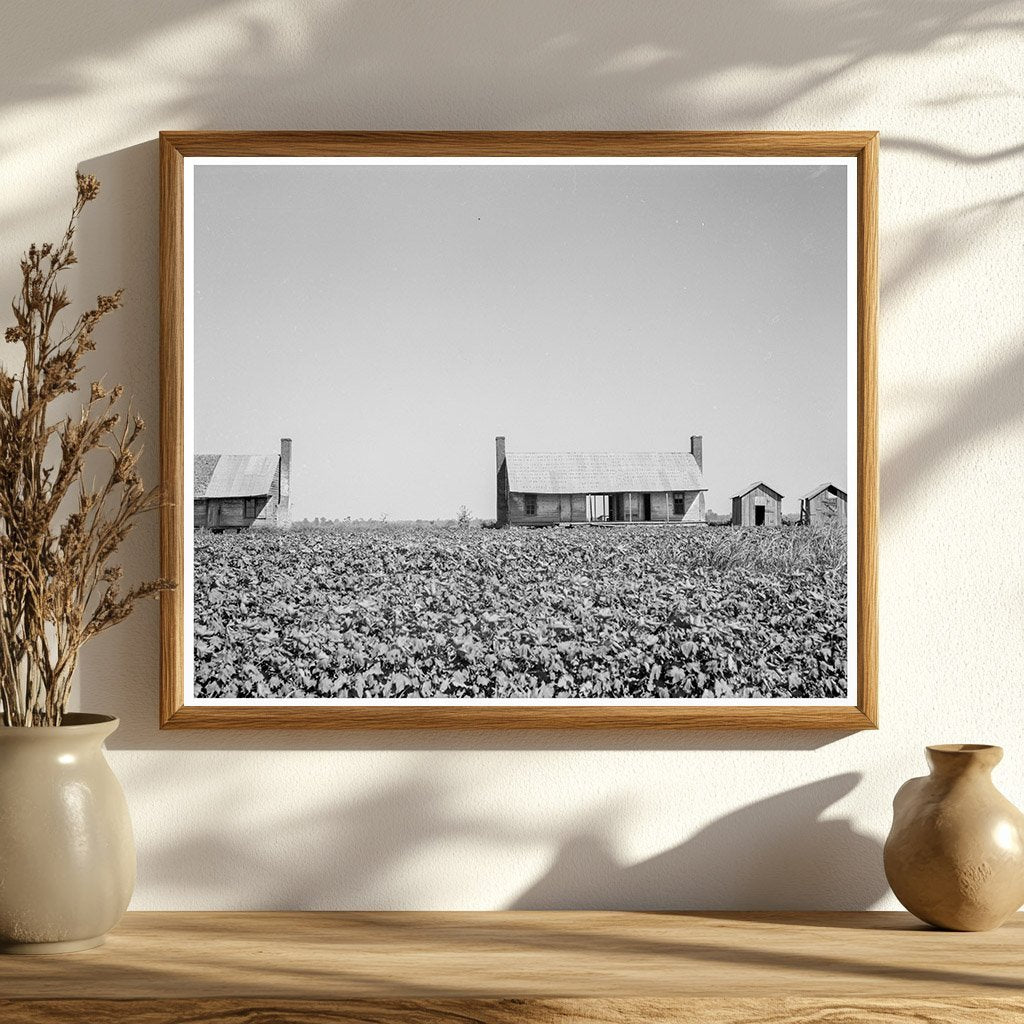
(444, 612)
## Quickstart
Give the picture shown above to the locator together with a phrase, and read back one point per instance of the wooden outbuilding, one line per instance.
(825, 504)
(549, 488)
(235, 492)
(758, 505)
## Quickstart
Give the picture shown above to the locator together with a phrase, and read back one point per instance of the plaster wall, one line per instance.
(356, 820)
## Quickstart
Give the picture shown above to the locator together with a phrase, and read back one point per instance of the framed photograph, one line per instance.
(519, 430)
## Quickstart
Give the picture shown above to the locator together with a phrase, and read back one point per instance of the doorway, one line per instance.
(759, 515)
(647, 508)
(599, 508)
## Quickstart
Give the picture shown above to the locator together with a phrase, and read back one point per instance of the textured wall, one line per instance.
(760, 820)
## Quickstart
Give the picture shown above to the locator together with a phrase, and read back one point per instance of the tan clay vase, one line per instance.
(67, 856)
(955, 855)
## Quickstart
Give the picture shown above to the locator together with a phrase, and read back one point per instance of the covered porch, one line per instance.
(616, 508)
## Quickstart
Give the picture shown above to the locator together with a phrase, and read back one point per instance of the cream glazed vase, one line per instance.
(67, 856)
(955, 855)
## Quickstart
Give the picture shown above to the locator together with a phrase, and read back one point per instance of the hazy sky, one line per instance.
(393, 319)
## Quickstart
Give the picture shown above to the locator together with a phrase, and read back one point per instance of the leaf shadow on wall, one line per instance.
(326, 65)
(966, 416)
(406, 844)
(777, 853)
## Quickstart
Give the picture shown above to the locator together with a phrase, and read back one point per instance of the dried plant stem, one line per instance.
(58, 587)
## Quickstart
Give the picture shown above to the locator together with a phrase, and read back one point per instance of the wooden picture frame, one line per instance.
(860, 712)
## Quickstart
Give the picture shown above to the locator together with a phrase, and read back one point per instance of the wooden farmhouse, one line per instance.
(825, 504)
(234, 492)
(548, 488)
(758, 505)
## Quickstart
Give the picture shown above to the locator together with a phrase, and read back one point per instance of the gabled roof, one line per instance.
(754, 486)
(234, 476)
(204, 466)
(602, 472)
(823, 487)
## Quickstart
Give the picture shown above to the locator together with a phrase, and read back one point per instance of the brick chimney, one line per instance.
(284, 512)
(501, 483)
(697, 450)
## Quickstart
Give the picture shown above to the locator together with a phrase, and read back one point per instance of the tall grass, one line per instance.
(821, 549)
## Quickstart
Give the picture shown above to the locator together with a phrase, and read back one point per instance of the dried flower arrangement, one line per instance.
(58, 587)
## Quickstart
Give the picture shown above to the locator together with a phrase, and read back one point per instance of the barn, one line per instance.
(758, 505)
(548, 488)
(233, 492)
(825, 504)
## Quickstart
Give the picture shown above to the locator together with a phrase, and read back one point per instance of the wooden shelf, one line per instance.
(544, 967)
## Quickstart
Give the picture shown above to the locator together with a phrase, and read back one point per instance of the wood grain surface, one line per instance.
(515, 1011)
(175, 147)
(568, 965)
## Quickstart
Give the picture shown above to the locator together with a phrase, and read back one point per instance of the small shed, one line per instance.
(825, 504)
(758, 505)
(236, 492)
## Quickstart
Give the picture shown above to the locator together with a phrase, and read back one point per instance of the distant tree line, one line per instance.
(463, 520)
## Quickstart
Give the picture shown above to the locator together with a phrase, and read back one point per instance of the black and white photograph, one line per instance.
(520, 430)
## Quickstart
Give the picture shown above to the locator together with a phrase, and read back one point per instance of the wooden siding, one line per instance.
(549, 510)
(825, 507)
(661, 506)
(268, 514)
(627, 507)
(695, 505)
(743, 507)
(230, 513)
(272, 514)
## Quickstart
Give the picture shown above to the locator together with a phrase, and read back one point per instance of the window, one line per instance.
(530, 504)
(679, 504)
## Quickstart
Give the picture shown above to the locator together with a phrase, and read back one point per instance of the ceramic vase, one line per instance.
(67, 855)
(955, 855)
